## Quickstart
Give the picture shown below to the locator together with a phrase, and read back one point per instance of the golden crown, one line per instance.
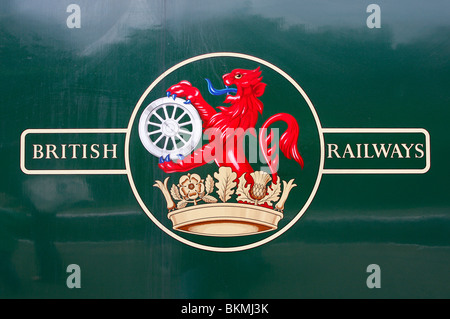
(197, 210)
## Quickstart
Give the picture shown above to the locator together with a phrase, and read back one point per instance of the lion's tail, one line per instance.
(288, 142)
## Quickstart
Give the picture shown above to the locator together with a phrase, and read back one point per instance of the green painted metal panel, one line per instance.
(58, 79)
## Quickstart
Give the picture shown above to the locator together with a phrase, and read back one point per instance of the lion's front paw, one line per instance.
(184, 89)
(168, 166)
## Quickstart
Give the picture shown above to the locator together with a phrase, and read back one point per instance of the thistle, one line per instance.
(259, 188)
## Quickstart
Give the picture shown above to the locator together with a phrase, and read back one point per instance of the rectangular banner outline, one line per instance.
(381, 171)
(67, 172)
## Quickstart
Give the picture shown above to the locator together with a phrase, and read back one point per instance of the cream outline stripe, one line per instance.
(382, 171)
(66, 172)
(215, 55)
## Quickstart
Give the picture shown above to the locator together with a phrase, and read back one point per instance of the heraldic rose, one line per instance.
(191, 187)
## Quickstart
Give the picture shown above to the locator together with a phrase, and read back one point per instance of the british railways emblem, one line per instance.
(225, 151)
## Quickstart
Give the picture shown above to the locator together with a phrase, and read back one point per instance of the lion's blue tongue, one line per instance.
(214, 91)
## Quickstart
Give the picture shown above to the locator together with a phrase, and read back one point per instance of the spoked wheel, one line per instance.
(170, 127)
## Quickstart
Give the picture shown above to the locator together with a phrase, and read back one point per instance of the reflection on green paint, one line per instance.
(355, 77)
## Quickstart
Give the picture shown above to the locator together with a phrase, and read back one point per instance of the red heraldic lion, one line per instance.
(227, 127)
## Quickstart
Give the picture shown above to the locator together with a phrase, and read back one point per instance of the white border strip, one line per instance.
(382, 171)
(66, 172)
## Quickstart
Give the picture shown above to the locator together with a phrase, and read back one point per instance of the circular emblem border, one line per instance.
(127, 153)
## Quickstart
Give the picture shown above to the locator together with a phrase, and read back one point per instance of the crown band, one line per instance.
(225, 219)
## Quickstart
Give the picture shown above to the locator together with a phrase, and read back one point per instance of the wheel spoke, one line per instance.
(181, 139)
(165, 112)
(185, 123)
(179, 117)
(174, 111)
(182, 130)
(158, 116)
(158, 139)
(155, 124)
(174, 142)
(165, 143)
(154, 132)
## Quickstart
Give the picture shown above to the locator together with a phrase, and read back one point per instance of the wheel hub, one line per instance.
(170, 128)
